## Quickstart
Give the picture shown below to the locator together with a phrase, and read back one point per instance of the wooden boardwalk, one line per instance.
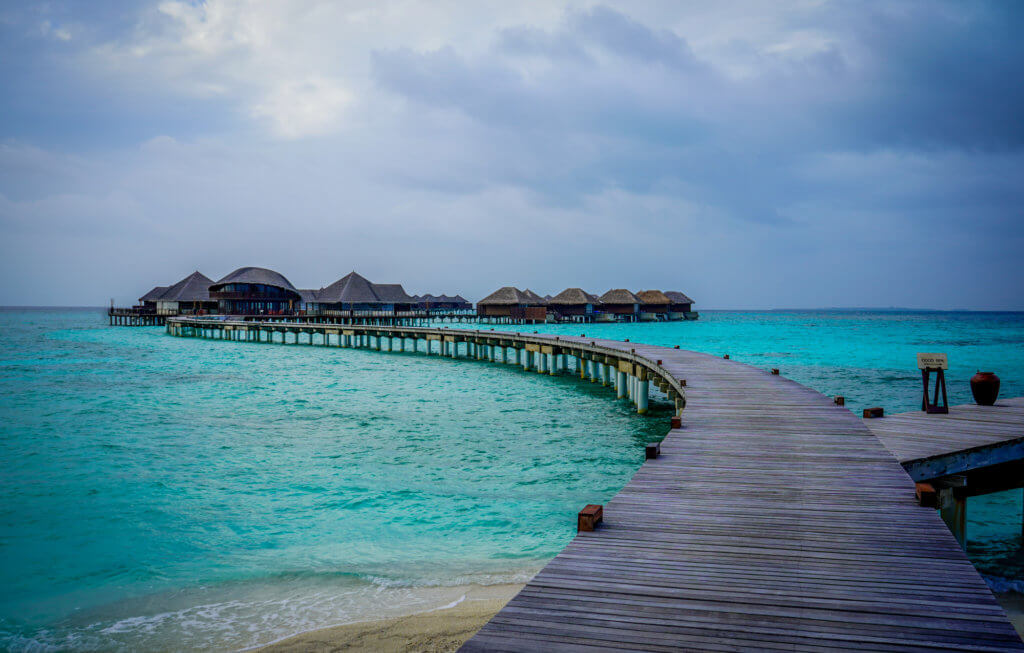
(967, 439)
(773, 520)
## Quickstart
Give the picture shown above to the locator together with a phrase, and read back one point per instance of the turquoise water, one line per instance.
(176, 493)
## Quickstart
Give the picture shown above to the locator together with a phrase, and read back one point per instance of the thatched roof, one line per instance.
(154, 294)
(534, 298)
(256, 276)
(506, 296)
(391, 293)
(353, 288)
(193, 288)
(574, 296)
(653, 297)
(678, 297)
(619, 296)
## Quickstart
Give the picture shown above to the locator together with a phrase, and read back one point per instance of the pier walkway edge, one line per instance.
(772, 519)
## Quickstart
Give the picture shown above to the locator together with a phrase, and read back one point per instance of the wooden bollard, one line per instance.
(926, 495)
(873, 412)
(726, 357)
(589, 517)
(652, 450)
(677, 422)
(775, 371)
(840, 400)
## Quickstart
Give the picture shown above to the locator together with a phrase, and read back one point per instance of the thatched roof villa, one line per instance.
(190, 295)
(681, 304)
(573, 303)
(653, 305)
(514, 304)
(619, 303)
(255, 291)
(354, 292)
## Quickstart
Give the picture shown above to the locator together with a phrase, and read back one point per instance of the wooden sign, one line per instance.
(932, 362)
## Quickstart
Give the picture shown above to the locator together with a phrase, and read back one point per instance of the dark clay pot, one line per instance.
(985, 388)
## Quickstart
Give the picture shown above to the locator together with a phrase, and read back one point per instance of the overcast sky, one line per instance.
(751, 154)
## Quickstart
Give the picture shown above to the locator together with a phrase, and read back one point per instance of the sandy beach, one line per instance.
(446, 629)
(435, 631)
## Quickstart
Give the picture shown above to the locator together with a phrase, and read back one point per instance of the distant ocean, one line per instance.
(174, 493)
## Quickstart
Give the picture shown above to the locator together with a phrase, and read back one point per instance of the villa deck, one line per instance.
(772, 520)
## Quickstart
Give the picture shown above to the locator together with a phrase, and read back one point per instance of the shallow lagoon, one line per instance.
(219, 495)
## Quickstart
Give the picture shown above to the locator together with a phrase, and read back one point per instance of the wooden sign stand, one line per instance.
(933, 407)
(937, 363)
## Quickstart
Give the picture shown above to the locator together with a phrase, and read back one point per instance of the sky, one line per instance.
(750, 154)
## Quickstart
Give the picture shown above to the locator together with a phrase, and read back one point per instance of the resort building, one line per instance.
(681, 307)
(148, 301)
(514, 304)
(619, 305)
(653, 305)
(573, 305)
(191, 295)
(355, 293)
(441, 303)
(255, 291)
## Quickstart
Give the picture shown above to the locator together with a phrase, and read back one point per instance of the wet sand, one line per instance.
(440, 630)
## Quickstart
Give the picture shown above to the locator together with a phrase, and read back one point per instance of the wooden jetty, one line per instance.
(970, 451)
(134, 316)
(771, 519)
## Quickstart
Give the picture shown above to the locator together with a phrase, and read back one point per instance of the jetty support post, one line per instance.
(643, 391)
(952, 502)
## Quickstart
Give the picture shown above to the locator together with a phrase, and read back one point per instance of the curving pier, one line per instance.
(772, 520)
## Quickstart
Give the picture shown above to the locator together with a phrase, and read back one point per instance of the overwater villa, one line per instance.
(255, 291)
(653, 305)
(619, 305)
(354, 294)
(511, 304)
(681, 307)
(573, 305)
(430, 302)
(191, 295)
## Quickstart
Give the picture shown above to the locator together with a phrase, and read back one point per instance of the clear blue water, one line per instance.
(176, 493)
